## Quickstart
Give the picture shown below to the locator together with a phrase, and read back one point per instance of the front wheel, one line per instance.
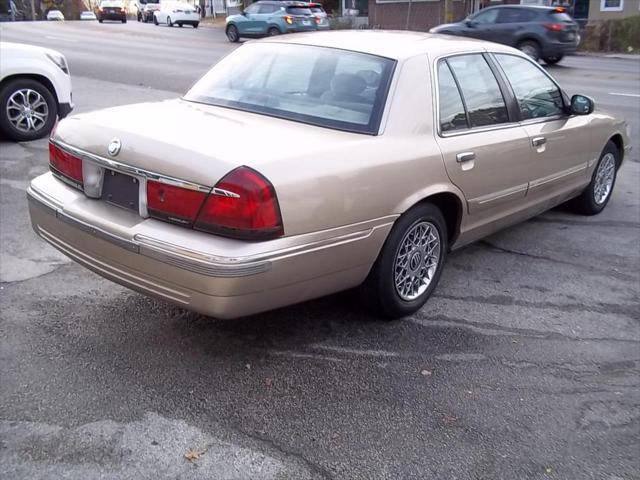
(28, 110)
(124, 20)
(597, 194)
(169, 22)
(155, 20)
(553, 59)
(232, 33)
(180, 25)
(195, 25)
(410, 264)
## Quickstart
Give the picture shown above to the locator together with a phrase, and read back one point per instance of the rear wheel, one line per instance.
(169, 22)
(180, 24)
(410, 264)
(100, 20)
(531, 48)
(195, 25)
(28, 110)
(139, 17)
(597, 194)
(553, 59)
(155, 20)
(124, 20)
(273, 31)
(232, 33)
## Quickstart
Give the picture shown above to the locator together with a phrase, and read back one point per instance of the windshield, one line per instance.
(323, 86)
(298, 11)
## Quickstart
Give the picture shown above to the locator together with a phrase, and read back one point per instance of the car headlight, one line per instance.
(60, 61)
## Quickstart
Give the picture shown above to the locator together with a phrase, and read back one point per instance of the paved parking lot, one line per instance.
(524, 365)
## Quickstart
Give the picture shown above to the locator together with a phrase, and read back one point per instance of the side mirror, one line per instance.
(470, 23)
(581, 105)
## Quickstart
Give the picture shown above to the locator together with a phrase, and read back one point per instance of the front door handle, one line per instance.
(538, 141)
(465, 157)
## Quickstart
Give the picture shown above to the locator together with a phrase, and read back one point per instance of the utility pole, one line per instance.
(33, 10)
(406, 27)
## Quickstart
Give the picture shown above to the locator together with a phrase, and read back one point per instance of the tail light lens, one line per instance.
(554, 27)
(288, 19)
(66, 165)
(173, 204)
(318, 20)
(242, 205)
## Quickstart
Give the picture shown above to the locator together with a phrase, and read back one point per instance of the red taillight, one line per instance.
(318, 20)
(65, 164)
(242, 205)
(288, 19)
(175, 204)
(560, 10)
(554, 27)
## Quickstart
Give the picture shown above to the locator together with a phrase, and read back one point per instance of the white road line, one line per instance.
(636, 95)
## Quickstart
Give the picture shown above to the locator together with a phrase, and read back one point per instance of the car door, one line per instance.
(263, 17)
(560, 145)
(511, 24)
(482, 25)
(249, 22)
(485, 150)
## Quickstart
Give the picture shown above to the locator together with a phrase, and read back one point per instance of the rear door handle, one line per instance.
(537, 141)
(465, 157)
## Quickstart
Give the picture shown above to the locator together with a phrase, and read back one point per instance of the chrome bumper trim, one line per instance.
(188, 260)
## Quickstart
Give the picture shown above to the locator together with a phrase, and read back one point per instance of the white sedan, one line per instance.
(35, 90)
(55, 15)
(176, 13)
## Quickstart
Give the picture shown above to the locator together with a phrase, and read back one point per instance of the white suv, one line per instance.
(35, 90)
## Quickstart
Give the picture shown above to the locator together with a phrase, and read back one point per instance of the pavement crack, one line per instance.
(496, 248)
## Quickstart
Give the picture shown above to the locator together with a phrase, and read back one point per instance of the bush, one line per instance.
(613, 35)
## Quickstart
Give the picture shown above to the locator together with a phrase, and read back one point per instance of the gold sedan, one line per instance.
(304, 165)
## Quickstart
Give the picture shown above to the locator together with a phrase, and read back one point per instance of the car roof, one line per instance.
(540, 8)
(391, 44)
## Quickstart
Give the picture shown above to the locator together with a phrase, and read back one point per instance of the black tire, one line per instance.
(100, 20)
(12, 131)
(169, 22)
(180, 24)
(195, 25)
(232, 33)
(586, 203)
(379, 292)
(124, 20)
(531, 48)
(139, 17)
(552, 60)
(155, 20)
(273, 31)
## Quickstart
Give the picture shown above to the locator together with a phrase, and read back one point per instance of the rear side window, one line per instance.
(268, 8)
(452, 113)
(480, 90)
(537, 95)
(516, 15)
(298, 11)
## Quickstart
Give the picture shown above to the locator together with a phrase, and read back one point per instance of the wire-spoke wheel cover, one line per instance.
(605, 175)
(416, 260)
(27, 110)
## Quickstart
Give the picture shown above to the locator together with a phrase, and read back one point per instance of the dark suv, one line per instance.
(541, 32)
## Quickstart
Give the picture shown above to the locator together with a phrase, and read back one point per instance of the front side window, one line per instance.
(516, 15)
(480, 90)
(489, 16)
(537, 95)
(328, 87)
(252, 9)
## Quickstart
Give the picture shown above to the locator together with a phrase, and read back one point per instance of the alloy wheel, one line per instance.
(27, 110)
(416, 260)
(605, 176)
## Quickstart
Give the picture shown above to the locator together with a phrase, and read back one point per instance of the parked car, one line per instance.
(112, 10)
(319, 163)
(270, 18)
(35, 90)
(55, 15)
(87, 16)
(176, 13)
(540, 32)
(145, 10)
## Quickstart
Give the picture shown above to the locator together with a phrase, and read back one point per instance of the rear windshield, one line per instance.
(298, 11)
(316, 9)
(322, 86)
(561, 17)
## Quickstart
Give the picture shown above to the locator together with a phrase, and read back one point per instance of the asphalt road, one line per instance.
(524, 365)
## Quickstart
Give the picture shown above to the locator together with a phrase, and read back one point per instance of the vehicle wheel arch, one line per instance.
(450, 203)
(274, 25)
(36, 77)
(619, 143)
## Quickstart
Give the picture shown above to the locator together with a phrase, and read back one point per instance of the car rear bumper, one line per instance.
(112, 16)
(229, 279)
(558, 49)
